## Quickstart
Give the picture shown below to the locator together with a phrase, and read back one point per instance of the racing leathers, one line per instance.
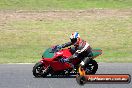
(82, 50)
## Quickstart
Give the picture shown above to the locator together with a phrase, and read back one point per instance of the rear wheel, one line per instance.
(92, 67)
(39, 70)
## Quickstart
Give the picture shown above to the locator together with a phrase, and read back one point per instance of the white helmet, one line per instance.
(74, 36)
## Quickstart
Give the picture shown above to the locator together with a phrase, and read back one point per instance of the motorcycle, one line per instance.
(51, 64)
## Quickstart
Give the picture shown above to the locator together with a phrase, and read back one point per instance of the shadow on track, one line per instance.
(73, 76)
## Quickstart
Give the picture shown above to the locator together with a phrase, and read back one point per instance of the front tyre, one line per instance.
(39, 70)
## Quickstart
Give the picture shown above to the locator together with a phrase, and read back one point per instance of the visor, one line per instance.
(74, 40)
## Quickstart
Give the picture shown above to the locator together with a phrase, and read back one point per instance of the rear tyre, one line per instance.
(39, 70)
(92, 67)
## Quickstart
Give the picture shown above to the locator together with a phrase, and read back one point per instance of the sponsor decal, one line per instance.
(104, 78)
(109, 78)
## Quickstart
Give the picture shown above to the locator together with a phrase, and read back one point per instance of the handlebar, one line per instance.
(55, 48)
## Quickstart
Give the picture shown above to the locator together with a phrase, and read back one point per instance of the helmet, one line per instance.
(74, 36)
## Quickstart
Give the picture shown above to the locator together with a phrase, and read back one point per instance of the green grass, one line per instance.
(62, 4)
(25, 40)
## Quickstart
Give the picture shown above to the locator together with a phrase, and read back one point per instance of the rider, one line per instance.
(82, 49)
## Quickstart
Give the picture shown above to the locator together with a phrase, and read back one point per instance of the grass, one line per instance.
(62, 4)
(25, 40)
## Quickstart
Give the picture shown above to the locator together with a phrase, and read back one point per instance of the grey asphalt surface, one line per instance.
(20, 76)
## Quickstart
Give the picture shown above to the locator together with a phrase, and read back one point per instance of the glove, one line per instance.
(74, 55)
(56, 48)
(59, 46)
(64, 60)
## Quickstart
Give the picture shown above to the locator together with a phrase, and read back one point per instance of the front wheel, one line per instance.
(39, 70)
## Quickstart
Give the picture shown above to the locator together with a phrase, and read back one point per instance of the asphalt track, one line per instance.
(20, 76)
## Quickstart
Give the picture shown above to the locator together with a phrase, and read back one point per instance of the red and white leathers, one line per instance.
(82, 49)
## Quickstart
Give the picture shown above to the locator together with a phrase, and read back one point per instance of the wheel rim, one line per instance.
(91, 68)
(39, 70)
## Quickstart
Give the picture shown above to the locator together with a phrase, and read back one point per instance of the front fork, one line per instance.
(44, 63)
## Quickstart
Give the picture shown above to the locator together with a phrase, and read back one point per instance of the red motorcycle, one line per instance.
(51, 64)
